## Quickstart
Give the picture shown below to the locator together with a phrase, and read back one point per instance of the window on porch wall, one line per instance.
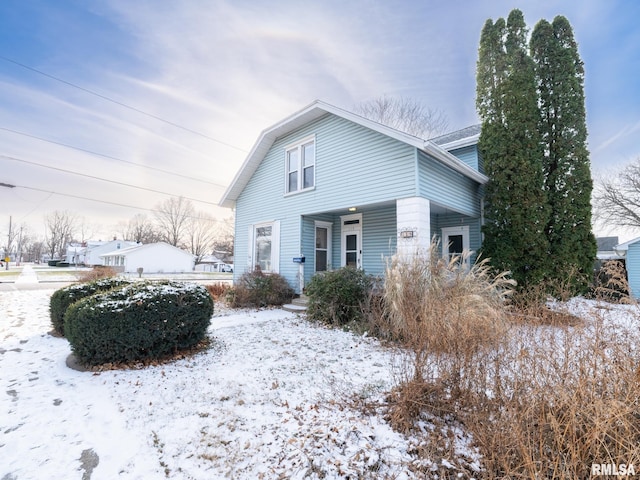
(321, 249)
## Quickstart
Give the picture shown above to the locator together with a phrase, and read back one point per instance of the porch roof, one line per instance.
(316, 110)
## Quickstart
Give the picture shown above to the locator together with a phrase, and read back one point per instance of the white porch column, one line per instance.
(413, 218)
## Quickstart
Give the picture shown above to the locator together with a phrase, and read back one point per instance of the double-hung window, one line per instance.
(300, 166)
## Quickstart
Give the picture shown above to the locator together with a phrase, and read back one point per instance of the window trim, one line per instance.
(300, 170)
(329, 227)
(275, 246)
(463, 230)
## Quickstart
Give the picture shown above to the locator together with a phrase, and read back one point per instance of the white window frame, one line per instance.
(298, 146)
(462, 230)
(329, 228)
(275, 246)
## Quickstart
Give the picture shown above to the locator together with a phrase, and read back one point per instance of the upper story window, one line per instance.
(300, 160)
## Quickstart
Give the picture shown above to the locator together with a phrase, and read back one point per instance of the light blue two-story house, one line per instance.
(325, 188)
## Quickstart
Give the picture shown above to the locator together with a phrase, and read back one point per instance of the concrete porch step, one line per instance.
(297, 305)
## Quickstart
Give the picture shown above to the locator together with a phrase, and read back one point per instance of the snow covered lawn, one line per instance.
(274, 398)
(268, 400)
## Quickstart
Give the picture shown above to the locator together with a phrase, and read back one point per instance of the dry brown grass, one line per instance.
(611, 284)
(445, 314)
(563, 398)
(218, 290)
(96, 273)
(543, 394)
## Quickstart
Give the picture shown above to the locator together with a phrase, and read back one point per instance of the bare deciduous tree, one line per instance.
(140, 229)
(84, 230)
(223, 238)
(616, 198)
(406, 115)
(173, 217)
(200, 233)
(59, 228)
(34, 249)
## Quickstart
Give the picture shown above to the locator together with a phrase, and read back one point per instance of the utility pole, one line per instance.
(6, 260)
(8, 185)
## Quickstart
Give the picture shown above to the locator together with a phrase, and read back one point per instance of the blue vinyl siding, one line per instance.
(354, 167)
(447, 187)
(438, 222)
(633, 269)
(379, 237)
(470, 156)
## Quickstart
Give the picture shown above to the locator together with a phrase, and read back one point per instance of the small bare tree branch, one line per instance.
(616, 198)
(406, 115)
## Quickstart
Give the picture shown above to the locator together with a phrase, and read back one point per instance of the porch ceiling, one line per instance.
(435, 209)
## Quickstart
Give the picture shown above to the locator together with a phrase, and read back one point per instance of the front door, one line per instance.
(351, 250)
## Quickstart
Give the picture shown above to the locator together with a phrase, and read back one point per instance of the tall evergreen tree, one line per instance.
(515, 202)
(562, 123)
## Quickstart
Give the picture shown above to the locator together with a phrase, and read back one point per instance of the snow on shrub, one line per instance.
(64, 297)
(141, 321)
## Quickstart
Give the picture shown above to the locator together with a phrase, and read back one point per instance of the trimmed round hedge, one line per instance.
(64, 297)
(140, 321)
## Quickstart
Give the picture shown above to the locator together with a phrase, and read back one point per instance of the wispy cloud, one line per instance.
(230, 69)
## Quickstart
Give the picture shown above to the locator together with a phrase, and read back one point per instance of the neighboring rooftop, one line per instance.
(472, 132)
(606, 244)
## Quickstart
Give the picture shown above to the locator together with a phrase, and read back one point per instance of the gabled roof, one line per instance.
(606, 243)
(123, 252)
(623, 247)
(316, 110)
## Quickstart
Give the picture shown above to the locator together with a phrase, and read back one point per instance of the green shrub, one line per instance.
(259, 289)
(62, 298)
(338, 296)
(140, 321)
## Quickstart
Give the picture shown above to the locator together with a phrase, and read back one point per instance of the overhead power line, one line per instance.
(124, 105)
(95, 177)
(110, 157)
(107, 202)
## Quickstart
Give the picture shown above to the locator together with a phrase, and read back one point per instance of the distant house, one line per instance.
(630, 253)
(88, 253)
(607, 249)
(152, 258)
(211, 263)
(325, 188)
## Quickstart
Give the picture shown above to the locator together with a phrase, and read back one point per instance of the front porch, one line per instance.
(364, 236)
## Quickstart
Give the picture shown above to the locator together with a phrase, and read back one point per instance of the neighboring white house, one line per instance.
(152, 258)
(88, 253)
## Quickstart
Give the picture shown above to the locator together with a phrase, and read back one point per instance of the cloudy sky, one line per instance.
(108, 108)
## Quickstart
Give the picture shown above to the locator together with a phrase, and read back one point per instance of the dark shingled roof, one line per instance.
(457, 135)
(606, 244)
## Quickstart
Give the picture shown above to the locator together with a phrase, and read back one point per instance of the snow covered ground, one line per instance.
(270, 399)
